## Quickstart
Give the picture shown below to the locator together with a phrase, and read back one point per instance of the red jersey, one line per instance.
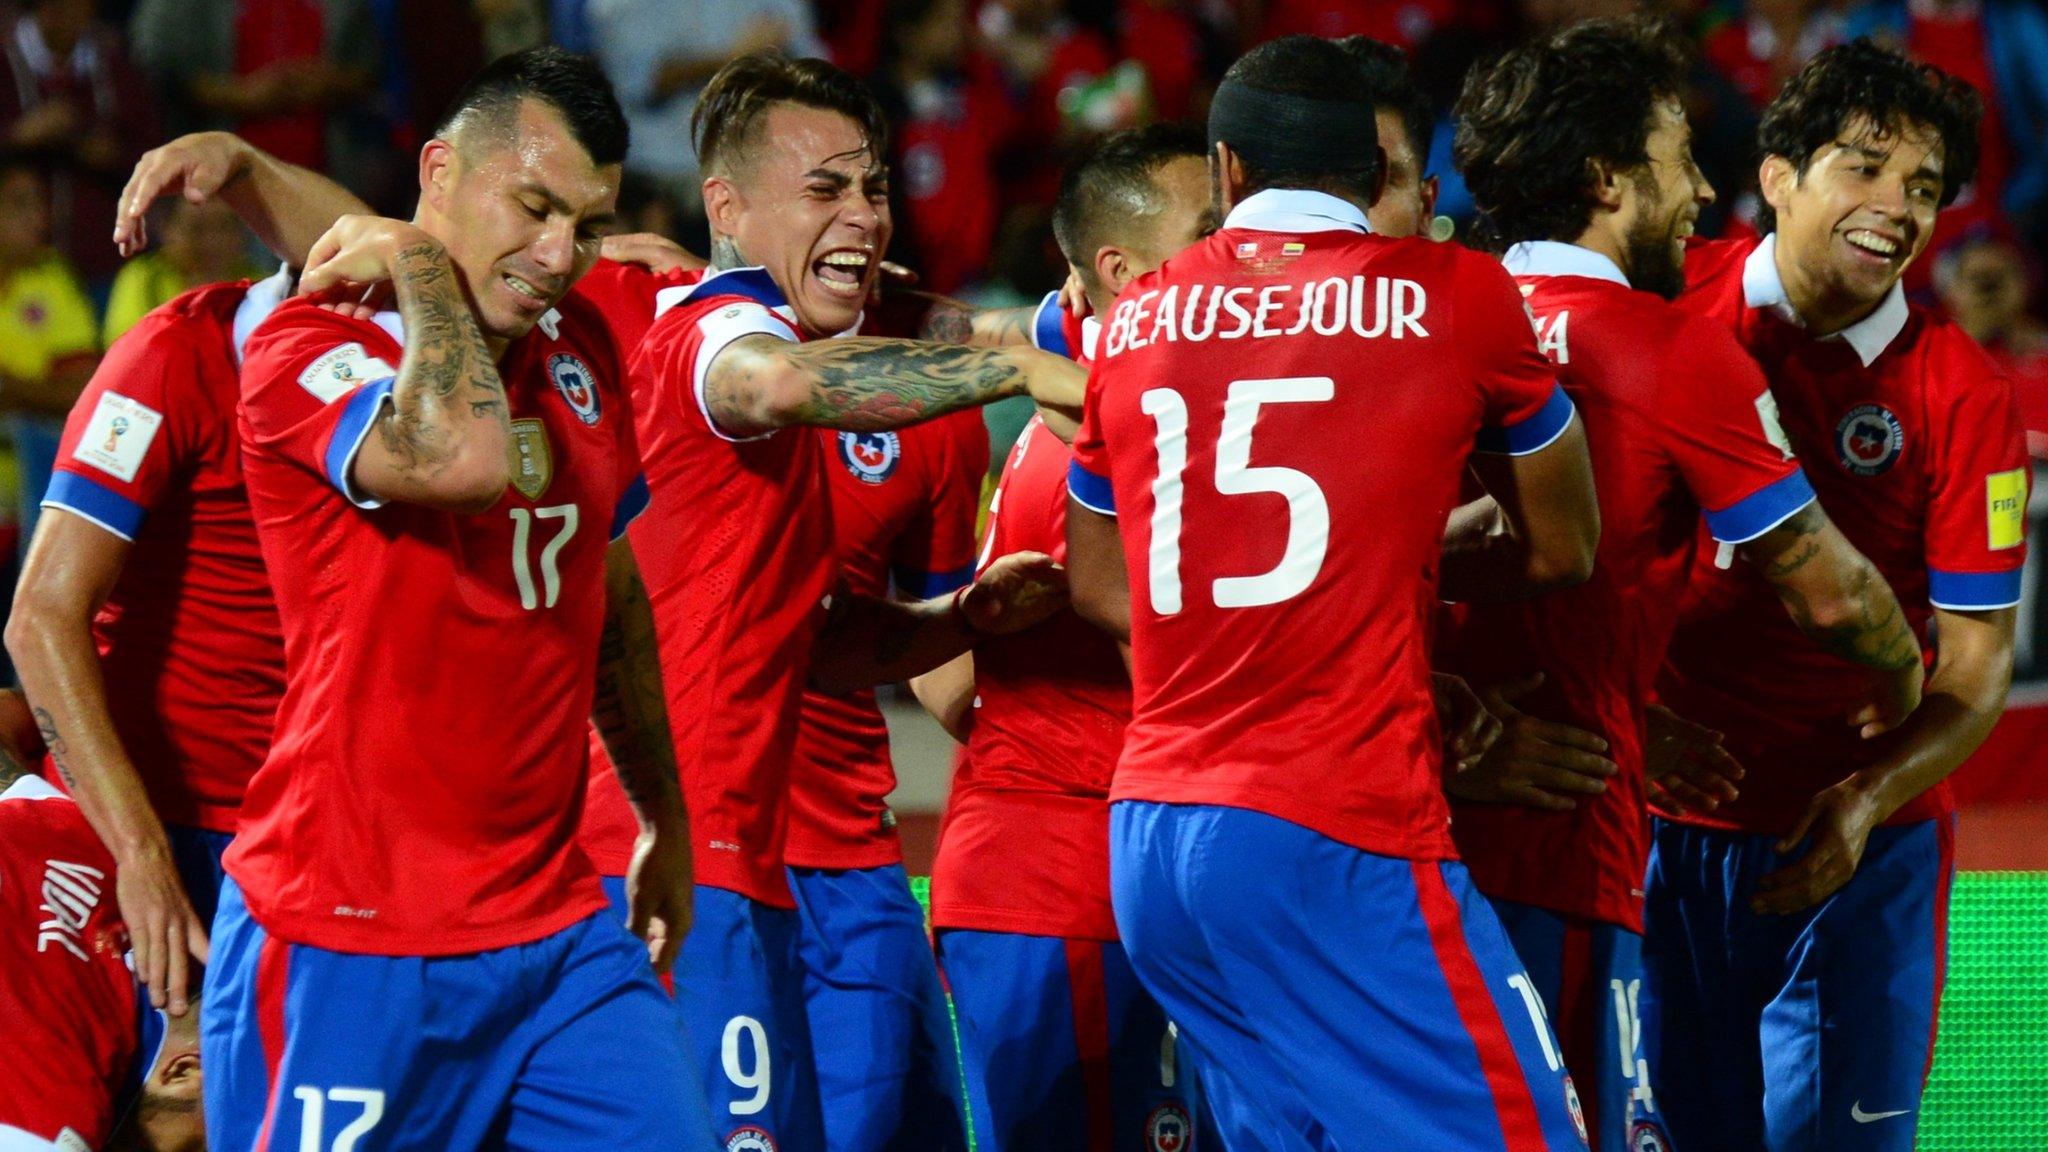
(422, 794)
(625, 295)
(1690, 426)
(1282, 504)
(903, 509)
(737, 555)
(1913, 441)
(189, 643)
(1025, 844)
(68, 1005)
(945, 155)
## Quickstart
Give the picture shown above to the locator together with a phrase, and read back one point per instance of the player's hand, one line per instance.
(1074, 296)
(661, 891)
(1895, 697)
(1535, 763)
(195, 166)
(1057, 384)
(658, 254)
(1835, 827)
(357, 253)
(1013, 593)
(164, 933)
(1468, 728)
(1685, 766)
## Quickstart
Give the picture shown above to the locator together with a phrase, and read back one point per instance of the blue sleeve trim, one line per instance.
(94, 501)
(1089, 490)
(1048, 333)
(926, 585)
(1973, 591)
(632, 502)
(1534, 434)
(358, 414)
(1761, 510)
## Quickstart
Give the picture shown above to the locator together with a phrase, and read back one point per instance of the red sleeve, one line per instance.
(1088, 475)
(1976, 515)
(624, 296)
(1718, 423)
(313, 383)
(134, 428)
(1524, 409)
(937, 556)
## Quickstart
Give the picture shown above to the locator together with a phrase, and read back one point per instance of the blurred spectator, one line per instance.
(660, 55)
(645, 206)
(70, 100)
(1165, 39)
(511, 25)
(1402, 23)
(48, 340)
(1043, 54)
(1983, 283)
(280, 73)
(948, 117)
(1764, 42)
(199, 244)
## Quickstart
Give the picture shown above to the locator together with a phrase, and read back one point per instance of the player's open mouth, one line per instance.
(526, 291)
(1876, 245)
(843, 271)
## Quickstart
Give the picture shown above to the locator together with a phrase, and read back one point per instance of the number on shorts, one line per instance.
(313, 1117)
(1538, 1016)
(756, 1080)
(1629, 1036)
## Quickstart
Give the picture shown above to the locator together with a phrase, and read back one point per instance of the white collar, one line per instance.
(1296, 210)
(258, 303)
(1091, 334)
(1762, 287)
(31, 788)
(1556, 258)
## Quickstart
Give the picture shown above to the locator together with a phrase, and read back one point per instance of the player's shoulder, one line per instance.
(1950, 360)
(1712, 262)
(302, 319)
(733, 296)
(199, 320)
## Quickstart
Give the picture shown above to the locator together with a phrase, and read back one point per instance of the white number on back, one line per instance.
(550, 588)
(755, 1080)
(313, 1117)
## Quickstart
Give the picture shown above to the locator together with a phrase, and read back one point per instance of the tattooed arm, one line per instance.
(1839, 598)
(444, 440)
(630, 713)
(866, 384)
(952, 322)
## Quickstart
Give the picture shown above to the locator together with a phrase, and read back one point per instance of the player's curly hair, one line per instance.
(1532, 124)
(743, 91)
(1862, 81)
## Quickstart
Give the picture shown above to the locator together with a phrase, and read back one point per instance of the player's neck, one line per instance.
(1823, 312)
(1603, 240)
(725, 253)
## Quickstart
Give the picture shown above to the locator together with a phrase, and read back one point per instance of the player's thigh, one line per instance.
(607, 1064)
(1361, 969)
(1151, 1081)
(196, 853)
(309, 1049)
(1015, 1007)
(1849, 1036)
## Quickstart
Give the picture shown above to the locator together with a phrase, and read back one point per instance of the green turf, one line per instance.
(1989, 1088)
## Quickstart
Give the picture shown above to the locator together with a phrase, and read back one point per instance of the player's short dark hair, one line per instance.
(1862, 81)
(743, 91)
(1532, 124)
(1113, 181)
(1393, 89)
(1313, 69)
(573, 85)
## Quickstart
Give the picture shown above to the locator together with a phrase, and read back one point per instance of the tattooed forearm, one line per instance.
(630, 710)
(1834, 593)
(448, 369)
(860, 384)
(1876, 634)
(948, 322)
(60, 753)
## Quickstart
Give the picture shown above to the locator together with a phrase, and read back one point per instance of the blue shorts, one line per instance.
(740, 996)
(1064, 1049)
(1331, 998)
(1589, 976)
(888, 1078)
(566, 1042)
(196, 853)
(1803, 1033)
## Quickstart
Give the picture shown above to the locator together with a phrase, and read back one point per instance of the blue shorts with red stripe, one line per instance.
(1808, 1032)
(567, 1042)
(1345, 1000)
(1588, 975)
(740, 996)
(887, 1075)
(196, 853)
(1064, 1050)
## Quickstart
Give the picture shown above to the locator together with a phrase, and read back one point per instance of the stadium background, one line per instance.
(987, 97)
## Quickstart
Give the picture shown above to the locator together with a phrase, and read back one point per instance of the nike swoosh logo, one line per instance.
(1857, 1114)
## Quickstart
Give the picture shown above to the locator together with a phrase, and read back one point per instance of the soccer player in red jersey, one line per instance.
(1576, 149)
(431, 487)
(90, 1064)
(738, 547)
(1795, 939)
(1277, 423)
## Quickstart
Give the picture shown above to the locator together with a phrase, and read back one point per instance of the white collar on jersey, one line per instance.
(258, 303)
(1296, 210)
(31, 788)
(1762, 287)
(1091, 332)
(1556, 258)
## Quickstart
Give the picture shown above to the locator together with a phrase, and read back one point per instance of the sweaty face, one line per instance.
(1667, 195)
(1861, 212)
(522, 216)
(810, 203)
(1407, 202)
(1187, 215)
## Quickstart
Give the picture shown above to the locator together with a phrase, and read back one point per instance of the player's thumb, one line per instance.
(1510, 691)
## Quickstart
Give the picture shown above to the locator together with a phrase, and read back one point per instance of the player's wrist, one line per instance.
(958, 607)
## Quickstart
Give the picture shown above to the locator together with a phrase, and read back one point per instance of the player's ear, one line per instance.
(1775, 178)
(722, 205)
(1609, 185)
(1430, 187)
(1227, 175)
(1114, 269)
(437, 171)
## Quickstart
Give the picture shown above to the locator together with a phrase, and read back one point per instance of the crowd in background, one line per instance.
(986, 98)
